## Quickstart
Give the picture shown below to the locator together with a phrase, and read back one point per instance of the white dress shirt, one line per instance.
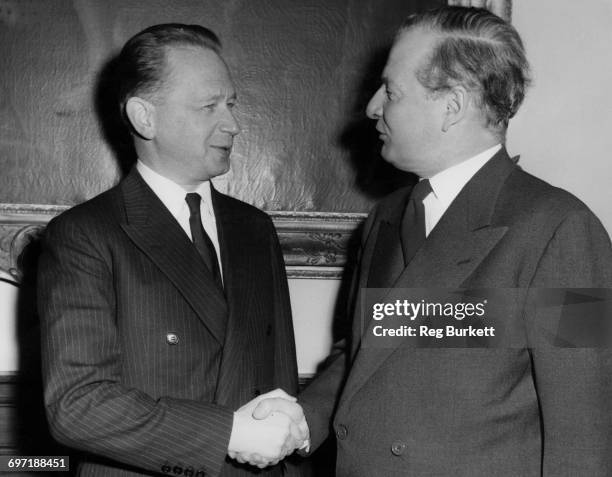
(447, 184)
(173, 195)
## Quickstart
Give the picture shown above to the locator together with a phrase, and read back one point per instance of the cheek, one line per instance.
(188, 126)
(174, 131)
(204, 127)
(398, 123)
(397, 118)
(181, 123)
(387, 116)
(193, 134)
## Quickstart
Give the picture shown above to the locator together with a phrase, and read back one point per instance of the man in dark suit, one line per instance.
(522, 406)
(164, 303)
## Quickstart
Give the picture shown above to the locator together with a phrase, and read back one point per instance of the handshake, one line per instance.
(267, 429)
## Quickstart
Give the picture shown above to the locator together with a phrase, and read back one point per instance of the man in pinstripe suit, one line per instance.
(164, 304)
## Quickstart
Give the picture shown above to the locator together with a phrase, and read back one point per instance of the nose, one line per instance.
(230, 124)
(374, 109)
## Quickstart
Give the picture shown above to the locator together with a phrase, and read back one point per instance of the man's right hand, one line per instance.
(271, 404)
(270, 438)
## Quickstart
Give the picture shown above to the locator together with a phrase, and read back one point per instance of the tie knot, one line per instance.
(193, 200)
(421, 190)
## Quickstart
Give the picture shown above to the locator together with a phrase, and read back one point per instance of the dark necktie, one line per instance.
(413, 222)
(200, 238)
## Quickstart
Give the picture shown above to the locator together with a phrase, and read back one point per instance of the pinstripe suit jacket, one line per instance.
(144, 358)
(476, 412)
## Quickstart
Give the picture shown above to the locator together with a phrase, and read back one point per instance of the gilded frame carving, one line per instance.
(314, 244)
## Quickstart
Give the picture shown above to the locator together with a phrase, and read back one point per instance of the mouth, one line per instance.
(224, 148)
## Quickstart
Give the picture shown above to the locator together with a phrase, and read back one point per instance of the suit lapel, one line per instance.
(156, 232)
(237, 253)
(382, 260)
(461, 240)
(387, 261)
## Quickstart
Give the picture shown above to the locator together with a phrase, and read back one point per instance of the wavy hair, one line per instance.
(481, 52)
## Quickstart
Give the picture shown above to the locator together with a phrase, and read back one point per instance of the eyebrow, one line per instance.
(218, 96)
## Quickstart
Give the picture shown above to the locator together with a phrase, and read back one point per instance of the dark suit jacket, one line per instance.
(508, 411)
(144, 358)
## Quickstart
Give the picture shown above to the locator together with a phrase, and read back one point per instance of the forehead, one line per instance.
(409, 52)
(196, 67)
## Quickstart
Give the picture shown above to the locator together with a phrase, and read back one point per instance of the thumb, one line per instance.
(263, 409)
(290, 408)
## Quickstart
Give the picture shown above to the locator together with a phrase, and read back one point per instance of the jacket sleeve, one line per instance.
(87, 406)
(574, 384)
(285, 363)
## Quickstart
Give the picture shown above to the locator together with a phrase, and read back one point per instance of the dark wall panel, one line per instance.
(303, 70)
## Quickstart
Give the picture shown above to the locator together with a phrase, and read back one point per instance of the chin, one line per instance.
(401, 164)
(391, 159)
(221, 170)
(218, 168)
(389, 154)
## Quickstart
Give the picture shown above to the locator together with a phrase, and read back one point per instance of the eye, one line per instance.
(231, 104)
(209, 106)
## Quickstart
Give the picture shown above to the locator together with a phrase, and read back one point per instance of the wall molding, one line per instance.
(314, 244)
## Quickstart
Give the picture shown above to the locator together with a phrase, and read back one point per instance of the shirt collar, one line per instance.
(169, 192)
(447, 184)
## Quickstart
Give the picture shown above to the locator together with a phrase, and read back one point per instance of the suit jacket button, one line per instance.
(398, 448)
(172, 338)
(341, 432)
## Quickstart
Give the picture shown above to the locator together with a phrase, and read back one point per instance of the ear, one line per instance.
(456, 102)
(141, 114)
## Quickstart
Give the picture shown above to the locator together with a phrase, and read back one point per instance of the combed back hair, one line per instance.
(479, 51)
(141, 65)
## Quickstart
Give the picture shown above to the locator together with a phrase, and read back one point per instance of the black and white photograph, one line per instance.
(306, 238)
